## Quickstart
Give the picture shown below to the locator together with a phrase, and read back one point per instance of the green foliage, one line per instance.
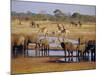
(83, 18)
(76, 15)
(58, 16)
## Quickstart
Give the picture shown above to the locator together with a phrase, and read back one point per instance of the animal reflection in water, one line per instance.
(21, 45)
(69, 48)
(42, 48)
(83, 50)
(18, 45)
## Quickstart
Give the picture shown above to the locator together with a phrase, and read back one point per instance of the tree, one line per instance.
(57, 12)
(59, 15)
(76, 15)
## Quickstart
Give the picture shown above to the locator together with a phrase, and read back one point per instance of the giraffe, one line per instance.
(43, 30)
(63, 31)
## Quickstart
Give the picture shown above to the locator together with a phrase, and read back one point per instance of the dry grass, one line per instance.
(86, 31)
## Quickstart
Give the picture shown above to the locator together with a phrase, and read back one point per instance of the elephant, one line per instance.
(17, 45)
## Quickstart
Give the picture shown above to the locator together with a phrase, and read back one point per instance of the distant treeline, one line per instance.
(57, 16)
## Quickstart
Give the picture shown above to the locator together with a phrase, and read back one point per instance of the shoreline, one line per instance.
(43, 64)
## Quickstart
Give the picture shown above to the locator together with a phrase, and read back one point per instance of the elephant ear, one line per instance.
(21, 40)
(69, 43)
(14, 38)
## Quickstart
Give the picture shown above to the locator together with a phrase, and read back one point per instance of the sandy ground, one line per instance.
(43, 64)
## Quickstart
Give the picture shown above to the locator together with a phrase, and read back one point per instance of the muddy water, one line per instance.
(54, 42)
(60, 54)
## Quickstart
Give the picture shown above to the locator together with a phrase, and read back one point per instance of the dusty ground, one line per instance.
(34, 65)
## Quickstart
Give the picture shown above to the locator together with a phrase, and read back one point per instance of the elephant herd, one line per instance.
(20, 46)
(83, 49)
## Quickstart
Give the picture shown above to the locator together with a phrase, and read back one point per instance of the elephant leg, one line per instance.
(94, 55)
(65, 55)
(27, 52)
(45, 52)
(42, 52)
(81, 53)
(23, 52)
(85, 53)
(36, 52)
(68, 53)
(71, 53)
(78, 53)
(48, 52)
(14, 53)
